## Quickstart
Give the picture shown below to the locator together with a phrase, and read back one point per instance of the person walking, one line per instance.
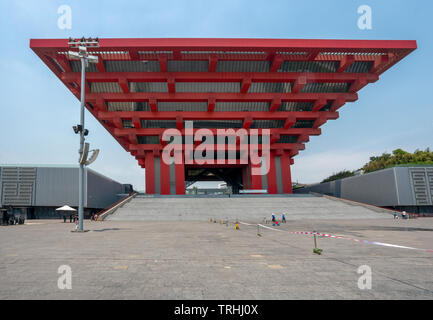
(283, 218)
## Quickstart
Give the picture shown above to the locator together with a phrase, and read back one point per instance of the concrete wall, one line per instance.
(57, 186)
(398, 186)
(377, 188)
(102, 191)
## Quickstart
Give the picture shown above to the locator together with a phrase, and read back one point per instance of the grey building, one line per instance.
(39, 189)
(407, 188)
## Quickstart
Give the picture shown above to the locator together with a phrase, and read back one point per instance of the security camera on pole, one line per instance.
(85, 58)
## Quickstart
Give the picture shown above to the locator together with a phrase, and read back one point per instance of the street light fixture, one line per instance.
(85, 58)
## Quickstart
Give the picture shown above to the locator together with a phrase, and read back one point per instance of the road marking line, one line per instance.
(383, 244)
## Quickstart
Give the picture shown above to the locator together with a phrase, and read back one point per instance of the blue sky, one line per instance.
(37, 111)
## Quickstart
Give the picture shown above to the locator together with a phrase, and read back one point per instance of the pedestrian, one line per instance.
(283, 218)
(403, 215)
(395, 215)
(64, 218)
(70, 218)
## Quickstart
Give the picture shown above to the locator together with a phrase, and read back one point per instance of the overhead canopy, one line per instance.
(140, 87)
(65, 208)
(284, 88)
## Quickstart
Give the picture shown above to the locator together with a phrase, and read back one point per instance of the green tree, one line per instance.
(399, 157)
(339, 175)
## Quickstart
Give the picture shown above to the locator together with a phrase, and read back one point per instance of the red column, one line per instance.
(165, 177)
(150, 172)
(285, 173)
(245, 181)
(180, 173)
(256, 180)
(272, 175)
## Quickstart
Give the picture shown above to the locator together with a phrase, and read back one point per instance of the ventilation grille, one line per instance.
(422, 184)
(17, 186)
(429, 173)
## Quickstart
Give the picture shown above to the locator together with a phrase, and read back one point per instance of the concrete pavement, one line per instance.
(203, 260)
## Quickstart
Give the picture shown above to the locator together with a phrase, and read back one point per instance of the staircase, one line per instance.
(242, 207)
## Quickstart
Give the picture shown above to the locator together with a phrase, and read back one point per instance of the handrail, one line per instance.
(367, 205)
(101, 215)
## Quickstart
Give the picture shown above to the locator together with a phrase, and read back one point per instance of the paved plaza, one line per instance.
(204, 260)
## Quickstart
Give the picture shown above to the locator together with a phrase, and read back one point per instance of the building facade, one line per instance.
(281, 90)
(39, 190)
(402, 188)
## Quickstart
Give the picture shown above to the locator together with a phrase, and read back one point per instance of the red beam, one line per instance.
(289, 122)
(303, 138)
(275, 146)
(319, 104)
(247, 122)
(338, 103)
(198, 115)
(100, 65)
(211, 104)
(162, 63)
(274, 137)
(319, 121)
(229, 97)
(132, 138)
(276, 63)
(133, 54)
(313, 55)
(246, 83)
(213, 61)
(63, 62)
(345, 63)
(171, 85)
(379, 63)
(358, 84)
(275, 104)
(117, 122)
(268, 45)
(300, 82)
(101, 105)
(159, 131)
(218, 76)
(87, 87)
(123, 83)
(136, 122)
(179, 122)
(153, 105)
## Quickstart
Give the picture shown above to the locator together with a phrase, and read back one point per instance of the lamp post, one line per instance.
(85, 59)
